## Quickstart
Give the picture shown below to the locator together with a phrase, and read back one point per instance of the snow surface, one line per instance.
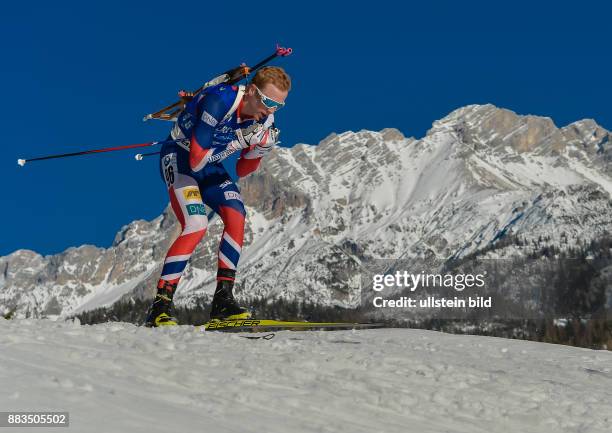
(117, 377)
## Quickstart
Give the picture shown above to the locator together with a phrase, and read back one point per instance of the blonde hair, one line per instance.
(274, 75)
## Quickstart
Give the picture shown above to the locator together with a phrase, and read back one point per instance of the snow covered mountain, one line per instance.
(317, 215)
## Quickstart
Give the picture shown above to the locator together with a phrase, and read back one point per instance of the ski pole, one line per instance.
(23, 162)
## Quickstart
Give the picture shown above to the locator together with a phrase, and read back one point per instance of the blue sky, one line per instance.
(80, 75)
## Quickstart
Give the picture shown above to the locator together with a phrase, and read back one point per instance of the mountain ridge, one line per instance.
(318, 214)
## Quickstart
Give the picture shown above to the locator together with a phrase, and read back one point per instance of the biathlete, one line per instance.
(216, 123)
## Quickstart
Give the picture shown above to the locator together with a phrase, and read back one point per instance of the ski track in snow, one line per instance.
(117, 377)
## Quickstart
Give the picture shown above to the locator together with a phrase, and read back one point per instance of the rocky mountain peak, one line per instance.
(589, 134)
(498, 129)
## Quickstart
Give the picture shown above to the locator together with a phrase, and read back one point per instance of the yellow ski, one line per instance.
(265, 324)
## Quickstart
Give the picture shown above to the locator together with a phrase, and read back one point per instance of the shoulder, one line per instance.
(222, 92)
(218, 99)
(212, 103)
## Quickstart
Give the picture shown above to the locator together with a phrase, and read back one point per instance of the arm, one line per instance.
(251, 157)
(246, 166)
(201, 149)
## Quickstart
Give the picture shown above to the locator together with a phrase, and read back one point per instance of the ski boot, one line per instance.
(224, 306)
(160, 312)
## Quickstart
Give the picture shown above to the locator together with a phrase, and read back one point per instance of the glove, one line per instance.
(261, 149)
(272, 139)
(251, 135)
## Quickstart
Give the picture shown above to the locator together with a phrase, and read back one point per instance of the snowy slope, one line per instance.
(317, 215)
(118, 377)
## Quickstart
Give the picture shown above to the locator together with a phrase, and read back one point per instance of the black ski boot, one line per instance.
(224, 306)
(160, 312)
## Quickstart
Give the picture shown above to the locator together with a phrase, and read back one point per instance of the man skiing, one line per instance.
(219, 121)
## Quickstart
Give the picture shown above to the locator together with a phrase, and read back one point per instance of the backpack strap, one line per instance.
(236, 103)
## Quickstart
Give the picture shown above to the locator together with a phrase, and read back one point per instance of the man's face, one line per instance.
(253, 106)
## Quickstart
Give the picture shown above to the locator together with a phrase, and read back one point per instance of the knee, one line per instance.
(240, 208)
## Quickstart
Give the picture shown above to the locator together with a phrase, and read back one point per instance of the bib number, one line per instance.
(169, 168)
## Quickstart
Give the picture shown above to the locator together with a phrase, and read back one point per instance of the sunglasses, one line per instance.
(268, 102)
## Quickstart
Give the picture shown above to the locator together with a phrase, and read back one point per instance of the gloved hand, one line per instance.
(271, 139)
(268, 141)
(253, 134)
